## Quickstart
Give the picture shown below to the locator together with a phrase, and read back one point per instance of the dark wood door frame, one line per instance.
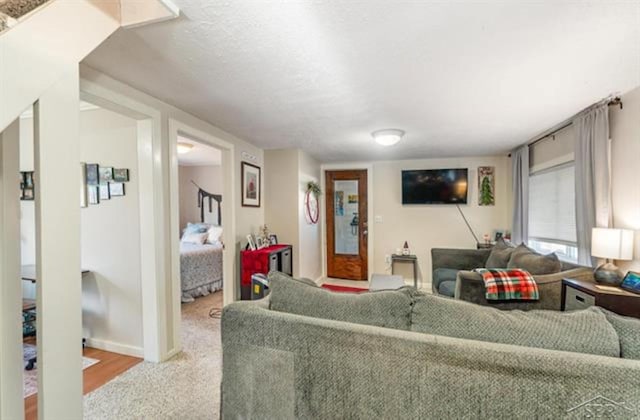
(353, 267)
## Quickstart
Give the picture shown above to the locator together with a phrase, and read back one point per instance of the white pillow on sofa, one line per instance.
(214, 234)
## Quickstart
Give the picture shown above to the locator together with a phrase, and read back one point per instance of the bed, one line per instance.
(200, 269)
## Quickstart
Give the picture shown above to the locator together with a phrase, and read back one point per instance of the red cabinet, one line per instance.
(275, 257)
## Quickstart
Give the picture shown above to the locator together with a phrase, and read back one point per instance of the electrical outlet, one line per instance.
(387, 259)
(378, 219)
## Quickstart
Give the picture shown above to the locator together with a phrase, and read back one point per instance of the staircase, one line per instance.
(35, 52)
(42, 43)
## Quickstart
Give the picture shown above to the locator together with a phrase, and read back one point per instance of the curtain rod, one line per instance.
(566, 123)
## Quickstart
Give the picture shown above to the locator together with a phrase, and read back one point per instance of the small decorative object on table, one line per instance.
(405, 249)
(251, 244)
(273, 239)
(611, 244)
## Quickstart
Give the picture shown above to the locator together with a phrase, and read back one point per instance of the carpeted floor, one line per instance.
(186, 387)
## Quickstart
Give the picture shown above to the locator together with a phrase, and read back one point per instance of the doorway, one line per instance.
(347, 224)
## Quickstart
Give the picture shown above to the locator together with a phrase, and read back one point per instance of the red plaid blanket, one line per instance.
(508, 284)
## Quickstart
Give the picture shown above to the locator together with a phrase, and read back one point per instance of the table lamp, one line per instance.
(611, 244)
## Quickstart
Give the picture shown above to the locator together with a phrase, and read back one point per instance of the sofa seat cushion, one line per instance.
(447, 288)
(628, 330)
(500, 254)
(383, 308)
(445, 275)
(586, 331)
(537, 264)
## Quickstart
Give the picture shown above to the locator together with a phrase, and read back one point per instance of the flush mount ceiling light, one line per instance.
(388, 137)
(184, 148)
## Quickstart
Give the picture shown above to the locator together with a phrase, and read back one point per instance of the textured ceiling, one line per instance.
(461, 78)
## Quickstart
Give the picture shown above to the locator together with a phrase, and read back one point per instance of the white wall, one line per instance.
(287, 173)
(432, 226)
(625, 155)
(208, 178)
(110, 242)
(310, 238)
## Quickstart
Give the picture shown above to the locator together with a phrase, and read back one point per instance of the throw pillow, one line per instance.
(195, 238)
(537, 264)
(384, 308)
(628, 330)
(500, 254)
(215, 233)
(196, 228)
(586, 331)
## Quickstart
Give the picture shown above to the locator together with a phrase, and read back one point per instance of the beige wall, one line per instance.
(208, 178)
(433, 226)
(287, 173)
(625, 155)
(310, 239)
(110, 241)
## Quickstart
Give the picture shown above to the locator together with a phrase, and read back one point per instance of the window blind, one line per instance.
(552, 208)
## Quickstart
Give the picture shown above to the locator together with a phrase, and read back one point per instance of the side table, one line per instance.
(406, 259)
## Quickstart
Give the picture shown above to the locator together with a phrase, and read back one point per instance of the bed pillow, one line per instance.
(195, 238)
(215, 234)
(196, 228)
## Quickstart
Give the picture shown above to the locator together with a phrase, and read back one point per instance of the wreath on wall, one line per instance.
(312, 207)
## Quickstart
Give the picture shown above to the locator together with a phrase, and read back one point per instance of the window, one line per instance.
(552, 212)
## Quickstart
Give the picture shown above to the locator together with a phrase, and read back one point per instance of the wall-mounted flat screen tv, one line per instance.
(435, 186)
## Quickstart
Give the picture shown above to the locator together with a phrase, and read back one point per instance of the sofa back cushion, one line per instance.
(628, 330)
(586, 331)
(537, 264)
(500, 254)
(384, 308)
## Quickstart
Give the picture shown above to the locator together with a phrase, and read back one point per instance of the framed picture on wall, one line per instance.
(116, 189)
(121, 175)
(92, 174)
(250, 185)
(106, 175)
(104, 192)
(94, 194)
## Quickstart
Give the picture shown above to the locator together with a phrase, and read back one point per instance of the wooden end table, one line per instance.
(581, 294)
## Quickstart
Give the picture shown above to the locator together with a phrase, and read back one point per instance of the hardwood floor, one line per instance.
(110, 366)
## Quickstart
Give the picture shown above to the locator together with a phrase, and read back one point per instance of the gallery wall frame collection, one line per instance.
(101, 183)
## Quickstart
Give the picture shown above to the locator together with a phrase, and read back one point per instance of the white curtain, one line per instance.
(520, 168)
(593, 196)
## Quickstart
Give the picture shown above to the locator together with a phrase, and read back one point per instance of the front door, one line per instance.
(347, 224)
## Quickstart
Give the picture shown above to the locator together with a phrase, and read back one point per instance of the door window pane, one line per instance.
(346, 218)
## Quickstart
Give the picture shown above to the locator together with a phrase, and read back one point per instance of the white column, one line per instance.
(11, 402)
(58, 250)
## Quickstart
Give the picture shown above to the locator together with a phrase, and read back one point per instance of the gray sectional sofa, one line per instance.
(452, 274)
(305, 352)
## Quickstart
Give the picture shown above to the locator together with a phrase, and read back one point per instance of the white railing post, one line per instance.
(11, 402)
(59, 324)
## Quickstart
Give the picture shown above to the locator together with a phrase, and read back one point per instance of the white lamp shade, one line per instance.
(616, 244)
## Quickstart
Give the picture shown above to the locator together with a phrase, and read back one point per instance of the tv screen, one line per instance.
(435, 186)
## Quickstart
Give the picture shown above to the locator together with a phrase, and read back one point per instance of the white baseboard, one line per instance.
(119, 348)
